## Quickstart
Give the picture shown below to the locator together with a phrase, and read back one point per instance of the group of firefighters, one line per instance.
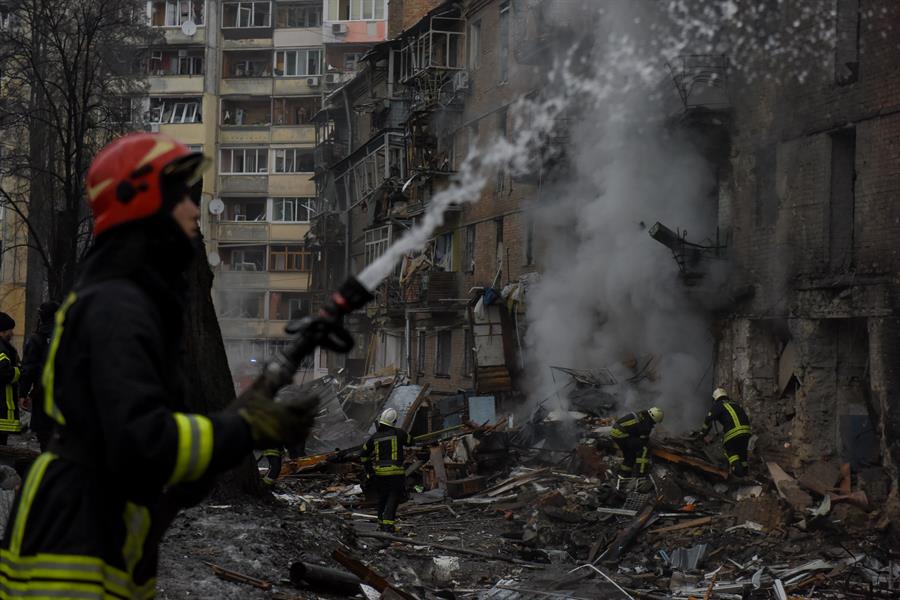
(121, 454)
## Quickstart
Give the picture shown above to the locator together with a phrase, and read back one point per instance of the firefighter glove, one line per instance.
(276, 424)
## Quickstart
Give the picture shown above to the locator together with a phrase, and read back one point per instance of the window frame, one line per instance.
(375, 247)
(503, 42)
(296, 202)
(176, 13)
(475, 45)
(259, 150)
(300, 260)
(305, 8)
(439, 353)
(298, 61)
(356, 10)
(250, 6)
(156, 113)
(291, 157)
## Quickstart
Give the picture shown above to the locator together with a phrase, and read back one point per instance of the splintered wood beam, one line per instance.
(669, 455)
(235, 577)
(368, 576)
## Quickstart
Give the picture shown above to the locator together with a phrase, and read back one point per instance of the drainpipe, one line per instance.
(408, 334)
(349, 233)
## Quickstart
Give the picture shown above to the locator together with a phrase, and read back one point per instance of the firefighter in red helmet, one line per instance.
(126, 451)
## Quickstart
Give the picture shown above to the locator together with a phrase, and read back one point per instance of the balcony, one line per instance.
(233, 231)
(246, 72)
(244, 184)
(430, 287)
(434, 46)
(261, 280)
(701, 81)
(176, 84)
(543, 27)
(252, 111)
(292, 184)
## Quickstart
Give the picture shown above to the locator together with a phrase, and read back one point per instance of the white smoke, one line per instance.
(609, 293)
(610, 296)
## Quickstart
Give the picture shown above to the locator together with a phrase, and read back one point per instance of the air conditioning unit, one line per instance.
(332, 78)
(460, 81)
(182, 53)
(312, 81)
(338, 28)
(154, 127)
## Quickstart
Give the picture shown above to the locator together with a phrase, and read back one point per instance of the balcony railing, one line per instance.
(701, 80)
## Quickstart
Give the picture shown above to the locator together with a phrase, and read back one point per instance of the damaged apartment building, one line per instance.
(806, 330)
(452, 316)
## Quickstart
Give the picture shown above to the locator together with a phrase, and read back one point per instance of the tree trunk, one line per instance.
(207, 364)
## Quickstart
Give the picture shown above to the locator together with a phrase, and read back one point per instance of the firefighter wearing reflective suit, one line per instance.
(631, 433)
(126, 454)
(736, 431)
(382, 456)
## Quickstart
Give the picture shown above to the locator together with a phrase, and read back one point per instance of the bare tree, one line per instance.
(67, 70)
(70, 69)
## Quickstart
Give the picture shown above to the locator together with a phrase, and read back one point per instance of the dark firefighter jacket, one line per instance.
(36, 347)
(93, 508)
(634, 425)
(384, 451)
(732, 417)
(9, 377)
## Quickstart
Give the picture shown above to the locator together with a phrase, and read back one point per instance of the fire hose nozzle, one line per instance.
(350, 296)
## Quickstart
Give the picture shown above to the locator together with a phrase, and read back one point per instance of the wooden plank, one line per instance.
(626, 537)
(671, 456)
(369, 576)
(516, 481)
(686, 525)
(437, 461)
(235, 577)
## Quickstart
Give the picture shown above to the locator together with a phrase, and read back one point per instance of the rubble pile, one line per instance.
(497, 512)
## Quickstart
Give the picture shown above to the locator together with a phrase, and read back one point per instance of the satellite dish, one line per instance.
(214, 259)
(216, 206)
(189, 28)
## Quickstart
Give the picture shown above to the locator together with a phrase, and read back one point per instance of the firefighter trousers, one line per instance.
(737, 451)
(391, 493)
(635, 455)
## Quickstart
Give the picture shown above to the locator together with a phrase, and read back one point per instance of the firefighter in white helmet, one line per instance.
(382, 456)
(735, 431)
(631, 433)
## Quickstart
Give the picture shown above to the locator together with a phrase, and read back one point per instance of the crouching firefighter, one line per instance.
(382, 456)
(631, 433)
(126, 455)
(736, 431)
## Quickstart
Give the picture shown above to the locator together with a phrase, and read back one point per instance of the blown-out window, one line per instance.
(246, 14)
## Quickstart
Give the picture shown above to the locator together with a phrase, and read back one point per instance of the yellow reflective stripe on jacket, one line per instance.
(48, 376)
(17, 374)
(9, 423)
(137, 526)
(738, 429)
(195, 445)
(733, 433)
(272, 452)
(618, 433)
(32, 483)
(390, 470)
(66, 576)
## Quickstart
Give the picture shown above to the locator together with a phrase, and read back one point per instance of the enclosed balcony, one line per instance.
(246, 112)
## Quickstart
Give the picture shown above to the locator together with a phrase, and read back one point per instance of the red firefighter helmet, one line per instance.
(125, 181)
